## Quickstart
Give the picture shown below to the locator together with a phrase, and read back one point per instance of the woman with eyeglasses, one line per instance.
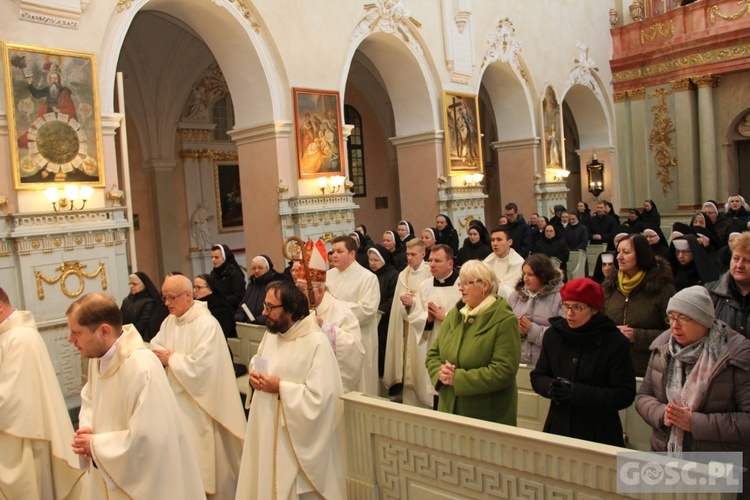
(636, 296)
(585, 368)
(474, 360)
(696, 393)
(207, 289)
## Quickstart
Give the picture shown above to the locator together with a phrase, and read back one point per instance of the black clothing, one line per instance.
(448, 235)
(603, 226)
(230, 277)
(387, 279)
(254, 295)
(157, 315)
(598, 274)
(220, 310)
(475, 251)
(138, 309)
(736, 220)
(596, 359)
(555, 247)
(520, 233)
(577, 237)
(362, 249)
(652, 218)
(730, 305)
(701, 270)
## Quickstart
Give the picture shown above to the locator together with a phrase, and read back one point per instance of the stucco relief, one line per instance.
(583, 72)
(504, 46)
(389, 16)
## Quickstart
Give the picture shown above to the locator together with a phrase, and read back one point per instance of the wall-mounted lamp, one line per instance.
(331, 184)
(72, 194)
(473, 180)
(596, 176)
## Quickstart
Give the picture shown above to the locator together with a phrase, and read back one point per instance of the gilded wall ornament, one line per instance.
(209, 153)
(713, 12)
(664, 30)
(123, 5)
(66, 270)
(660, 140)
(209, 87)
(504, 46)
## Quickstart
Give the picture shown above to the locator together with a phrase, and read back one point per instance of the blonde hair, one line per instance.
(741, 243)
(478, 270)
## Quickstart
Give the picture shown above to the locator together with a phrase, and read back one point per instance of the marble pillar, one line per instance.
(686, 135)
(707, 135)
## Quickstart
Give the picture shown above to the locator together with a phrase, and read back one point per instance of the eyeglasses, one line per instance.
(464, 284)
(576, 308)
(199, 287)
(172, 298)
(269, 308)
(681, 320)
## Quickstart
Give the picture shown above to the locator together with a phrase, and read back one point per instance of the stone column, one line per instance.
(517, 162)
(164, 202)
(421, 160)
(625, 149)
(686, 122)
(265, 158)
(707, 134)
(638, 171)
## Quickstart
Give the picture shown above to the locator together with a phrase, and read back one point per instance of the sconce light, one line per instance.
(473, 180)
(331, 184)
(596, 176)
(3, 201)
(72, 194)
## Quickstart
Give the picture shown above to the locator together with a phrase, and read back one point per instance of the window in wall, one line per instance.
(222, 114)
(356, 151)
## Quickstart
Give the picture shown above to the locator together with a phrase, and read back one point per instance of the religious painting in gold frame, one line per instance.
(228, 197)
(463, 147)
(54, 123)
(552, 123)
(319, 133)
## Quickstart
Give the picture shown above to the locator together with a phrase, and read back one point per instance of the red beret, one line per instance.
(583, 290)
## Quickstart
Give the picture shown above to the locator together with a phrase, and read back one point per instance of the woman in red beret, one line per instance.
(585, 368)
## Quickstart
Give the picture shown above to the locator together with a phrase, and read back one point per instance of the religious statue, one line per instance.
(199, 226)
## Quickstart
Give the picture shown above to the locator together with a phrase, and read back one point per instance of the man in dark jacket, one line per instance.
(601, 226)
(520, 231)
(730, 292)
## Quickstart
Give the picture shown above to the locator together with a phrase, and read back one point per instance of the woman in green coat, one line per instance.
(474, 360)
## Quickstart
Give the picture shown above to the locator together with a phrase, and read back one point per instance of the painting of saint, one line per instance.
(462, 133)
(319, 136)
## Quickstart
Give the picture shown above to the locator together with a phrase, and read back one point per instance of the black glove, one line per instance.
(561, 389)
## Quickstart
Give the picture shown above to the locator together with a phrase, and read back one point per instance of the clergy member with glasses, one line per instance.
(585, 368)
(696, 394)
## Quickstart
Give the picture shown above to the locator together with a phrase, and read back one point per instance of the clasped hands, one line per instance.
(681, 416)
(263, 382)
(560, 389)
(446, 373)
(82, 442)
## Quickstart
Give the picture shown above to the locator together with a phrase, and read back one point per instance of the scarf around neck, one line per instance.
(627, 285)
(688, 374)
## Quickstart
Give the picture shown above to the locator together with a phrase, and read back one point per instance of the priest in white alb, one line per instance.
(131, 437)
(504, 261)
(359, 289)
(35, 429)
(436, 296)
(407, 287)
(338, 323)
(192, 347)
(294, 446)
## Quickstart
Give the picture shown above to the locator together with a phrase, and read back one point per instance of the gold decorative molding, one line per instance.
(66, 270)
(620, 96)
(706, 81)
(195, 135)
(242, 7)
(123, 5)
(209, 153)
(707, 57)
(713, 12)
(681, 85)
(637, 94)
(660, 139)
(664, 30)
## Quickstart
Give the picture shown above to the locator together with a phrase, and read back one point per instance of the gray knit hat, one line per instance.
(695, 303)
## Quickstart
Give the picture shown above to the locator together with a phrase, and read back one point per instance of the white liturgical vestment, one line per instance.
(35, 430)
(295, 443)
(139, 439)
(409, 281)
(201, 375)
(418, 389)
(359, 288)
(342, 329)
(508, 271)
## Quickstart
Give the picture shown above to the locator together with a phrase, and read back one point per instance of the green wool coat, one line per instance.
(486, 350)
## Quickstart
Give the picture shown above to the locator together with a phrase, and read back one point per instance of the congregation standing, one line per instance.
(441, 326)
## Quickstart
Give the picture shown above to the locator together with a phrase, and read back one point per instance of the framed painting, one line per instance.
(54, 121)
(319, 133)
(228, 197)
(463, 147)
(552, 123)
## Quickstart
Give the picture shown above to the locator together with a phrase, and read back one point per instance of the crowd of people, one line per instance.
(440, 326)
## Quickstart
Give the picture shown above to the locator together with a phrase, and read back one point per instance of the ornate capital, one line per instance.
(620, 96)
(706, 81)
(637, 94)
(681, 85)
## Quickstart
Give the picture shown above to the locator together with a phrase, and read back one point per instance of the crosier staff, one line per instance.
(302, 259)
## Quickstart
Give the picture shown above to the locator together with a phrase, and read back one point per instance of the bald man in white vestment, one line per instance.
(435, 297)
(359, 289)
(409, 281)
(294, 446)
(192, 347)
(131, 437)
(37, 461)
(338, 323)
